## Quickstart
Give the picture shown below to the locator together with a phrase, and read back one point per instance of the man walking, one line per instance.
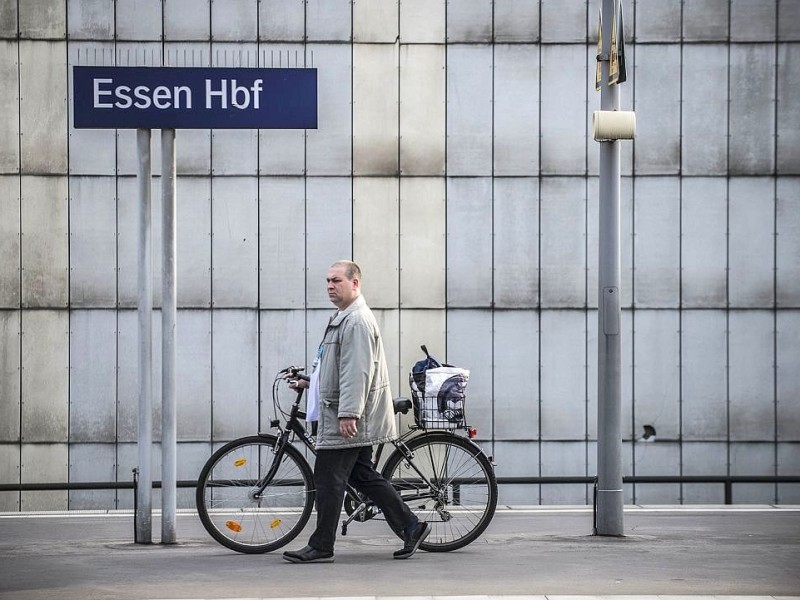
(350, 383)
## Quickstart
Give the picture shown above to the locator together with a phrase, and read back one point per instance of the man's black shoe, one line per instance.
(308, 555)
(412, 541)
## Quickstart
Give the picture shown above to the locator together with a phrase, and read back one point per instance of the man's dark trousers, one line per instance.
(332, 470)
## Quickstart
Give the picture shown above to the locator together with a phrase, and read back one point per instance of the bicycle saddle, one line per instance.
(401, 405)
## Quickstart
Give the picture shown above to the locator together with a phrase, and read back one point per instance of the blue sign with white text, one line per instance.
(194, 98)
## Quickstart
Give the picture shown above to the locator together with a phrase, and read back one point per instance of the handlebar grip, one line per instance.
(303, 377)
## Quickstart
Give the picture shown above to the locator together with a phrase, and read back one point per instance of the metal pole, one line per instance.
(168, 321)
(144, 500)
(609, 394)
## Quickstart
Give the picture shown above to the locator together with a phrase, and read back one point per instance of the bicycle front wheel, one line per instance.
(450, 484)
(237, 512)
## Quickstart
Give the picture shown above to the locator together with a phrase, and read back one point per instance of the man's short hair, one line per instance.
(351, 269)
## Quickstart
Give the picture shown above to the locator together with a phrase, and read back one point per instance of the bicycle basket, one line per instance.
(439, 402)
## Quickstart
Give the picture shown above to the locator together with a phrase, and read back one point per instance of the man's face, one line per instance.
(341, 290)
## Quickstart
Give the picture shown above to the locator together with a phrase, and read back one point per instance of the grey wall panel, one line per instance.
(128, 376)
(375, 116)
(788, 20)
(93, 242)
(516, 111)
(91, 151)
(234, 152)
(139, 19)
(234, 251)
(752, 459)
(751, 241)
(329, 148)
(194, 375)
(329, 20)
(470, 22)
(44, 463)
(751, 385)
(92, 462)
(658, 108)
(752, 109)
(657, 227)
(516, 351)
(9, 473)
(657, 20)
(704, 114)
(283, 342)
(469, 341)
(328, 223)
(788, 464)
(422, 242)
(90, 20)
(657, 459)
(193, 152)
(422, 109)
(43, 107)
(419, 327)
(788, 140)
(45, 19)
(563, 245)
(563, 22)
(517, 459)
(10, 382)
(422, 21)
(235, 373)
(787, 339)
(516, 242)
(563, 375)
(194, 242)
(787, 242)
(563, 111)
(93, 376)
(376, 233)
(469, 109)
(282, 242)
(563, 459)
(705, 20)
(190, 460)
(10, 247)
(9, 107)
(281, 152)
(752, 20)
(188, 20)
(469, 241)
(704, 370)
(704, 458)
(234, 20)
(655, 368)
(45, 243)
(516, 21)
(389, 324)
(704, 242)
(376, 21)
(281, 20)
(9, 18)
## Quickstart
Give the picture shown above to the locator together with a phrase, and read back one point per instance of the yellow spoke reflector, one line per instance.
(233, 526)
(275, 523)
(240, 463)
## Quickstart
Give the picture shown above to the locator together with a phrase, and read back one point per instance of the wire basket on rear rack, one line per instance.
(437, 392)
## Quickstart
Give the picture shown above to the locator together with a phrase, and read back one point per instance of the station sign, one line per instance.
(194, 98)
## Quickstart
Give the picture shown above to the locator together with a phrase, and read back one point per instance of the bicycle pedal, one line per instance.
(344, 528)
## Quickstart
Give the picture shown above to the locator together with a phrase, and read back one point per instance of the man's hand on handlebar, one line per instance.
(301, 383)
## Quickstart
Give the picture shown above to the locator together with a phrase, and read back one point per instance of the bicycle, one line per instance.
(256, 494)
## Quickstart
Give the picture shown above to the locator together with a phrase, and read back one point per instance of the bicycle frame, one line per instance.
(294, 426)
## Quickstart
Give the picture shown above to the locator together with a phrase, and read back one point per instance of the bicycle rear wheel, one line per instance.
(232, 510)
(461, 499)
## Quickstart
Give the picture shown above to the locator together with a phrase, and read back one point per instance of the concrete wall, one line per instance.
(454, 161)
